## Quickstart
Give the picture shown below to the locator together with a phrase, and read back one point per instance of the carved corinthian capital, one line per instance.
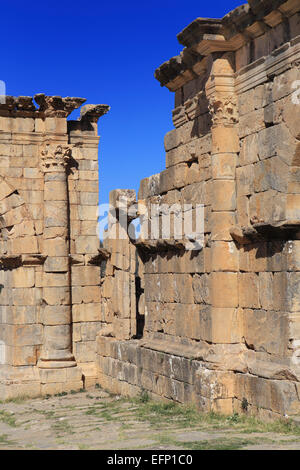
(55, 158)
(223, 109)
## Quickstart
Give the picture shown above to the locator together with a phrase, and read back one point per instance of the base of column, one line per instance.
(45, 364)
(33, 381)
(60, 379)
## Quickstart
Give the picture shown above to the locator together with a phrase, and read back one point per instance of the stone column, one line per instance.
(57, 346)
(225, 146)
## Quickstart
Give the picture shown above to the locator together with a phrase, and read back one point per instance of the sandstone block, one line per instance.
(227, 325)
(85, 276)
(224, 256)
(223, 166)
(55, 264)
(87, 313)
(87, 244)
(224, 289)
(266, 331)
(23, 277)
(55, 315)
(245, 180)
(224, 196)
(248, 290)
(56, 295)
(55, 191)
(221, 223)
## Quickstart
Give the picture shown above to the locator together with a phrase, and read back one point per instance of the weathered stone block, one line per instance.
(225, 140)
(224, 289)
(224, 195)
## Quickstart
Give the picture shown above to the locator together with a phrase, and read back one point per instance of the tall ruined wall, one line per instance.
(50, 291)
(222, 323)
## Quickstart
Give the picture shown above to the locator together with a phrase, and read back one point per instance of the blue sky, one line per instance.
(106, 52)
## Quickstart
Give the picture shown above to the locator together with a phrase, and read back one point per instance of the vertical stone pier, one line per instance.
(57, 317)
(57, 366)
(225, 147)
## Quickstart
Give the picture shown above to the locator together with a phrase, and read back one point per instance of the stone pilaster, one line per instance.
(225, 146)
(57, 347)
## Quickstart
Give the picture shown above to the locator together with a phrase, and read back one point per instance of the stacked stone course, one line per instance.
(218, 326)
(222, 324)
(50, 293)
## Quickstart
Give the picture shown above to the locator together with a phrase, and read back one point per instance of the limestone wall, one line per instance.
(50, 280)
(222, 323)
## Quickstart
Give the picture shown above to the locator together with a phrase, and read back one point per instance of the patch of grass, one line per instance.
(144, 396)
(107, 416)
(83, 447)
(232, 443)
(92, 411)
(174, 414)
(250, 424)
(168, 413)
(5, 441)
(47, 414)
(8, 418)
(62, 427)
(18, 400)
(217, 444)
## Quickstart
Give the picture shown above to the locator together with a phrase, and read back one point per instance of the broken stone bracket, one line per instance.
(283, 230)
(15, 261)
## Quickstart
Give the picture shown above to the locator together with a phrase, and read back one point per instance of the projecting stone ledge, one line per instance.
(92, 112)
(283, 230)
(49, 106)
(205, 36)
(15, 261)
(56, 106)
(152, 246)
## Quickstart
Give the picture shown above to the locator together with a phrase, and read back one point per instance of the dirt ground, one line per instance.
(96, 420)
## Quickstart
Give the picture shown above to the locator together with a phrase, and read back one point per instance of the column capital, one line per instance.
(223, 109)
(220, 92)
(55, 158)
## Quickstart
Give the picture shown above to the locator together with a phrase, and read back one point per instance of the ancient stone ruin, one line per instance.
(217, 324)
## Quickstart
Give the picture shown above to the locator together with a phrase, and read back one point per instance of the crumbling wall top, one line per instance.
(205, 36)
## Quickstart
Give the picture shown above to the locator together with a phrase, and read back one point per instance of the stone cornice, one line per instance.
(200, 29)
(259, 71)
(56, 106)
(50, 107)
(205, 36)
(93, 112)
(20, 106)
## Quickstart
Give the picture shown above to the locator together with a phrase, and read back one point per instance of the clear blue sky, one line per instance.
(106, 52)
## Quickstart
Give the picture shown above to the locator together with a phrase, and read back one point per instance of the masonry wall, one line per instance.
(221, 324)
(49, 272)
